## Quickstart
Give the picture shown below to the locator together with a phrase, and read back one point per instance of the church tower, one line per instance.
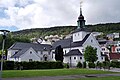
(80, 32)
(81, 21)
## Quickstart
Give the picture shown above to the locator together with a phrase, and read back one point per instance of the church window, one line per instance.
(70, 58)
(65, 51)
(80, 57)
(30, 52)
(74, 57)
(103, 49)
(30, 60)
(91, 40)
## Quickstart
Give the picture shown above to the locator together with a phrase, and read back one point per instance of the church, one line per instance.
(73, 47)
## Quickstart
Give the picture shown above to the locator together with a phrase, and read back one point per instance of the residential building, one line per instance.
(29, 52)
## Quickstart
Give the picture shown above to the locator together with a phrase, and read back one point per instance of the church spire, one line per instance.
(81, 8)
(81, 21)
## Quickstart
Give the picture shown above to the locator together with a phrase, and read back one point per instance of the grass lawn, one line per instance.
(49, 72)
(101, 78)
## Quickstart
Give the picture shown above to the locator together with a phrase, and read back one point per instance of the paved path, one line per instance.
(112, 69)
(63, 77)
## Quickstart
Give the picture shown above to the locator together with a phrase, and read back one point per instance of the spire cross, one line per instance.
(81, 7)
(81, 4)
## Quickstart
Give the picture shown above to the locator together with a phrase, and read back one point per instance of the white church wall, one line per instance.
(79, 36)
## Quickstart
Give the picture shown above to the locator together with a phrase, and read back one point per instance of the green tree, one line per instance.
(90, 54)
(59, 53)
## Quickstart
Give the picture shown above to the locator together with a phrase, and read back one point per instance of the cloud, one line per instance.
(25, 14)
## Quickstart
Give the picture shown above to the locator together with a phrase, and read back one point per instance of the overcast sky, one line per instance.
(26, 14)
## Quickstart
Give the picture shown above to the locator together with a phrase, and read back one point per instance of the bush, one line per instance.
(99, 65)
(11, 65)
(106, 64)
(84, 64)
(91, 65)
(115, 64)
(8, 65)
(79, 65)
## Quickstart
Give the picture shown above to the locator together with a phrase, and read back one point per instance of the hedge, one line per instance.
(11, 65)
(91, 65)
(115, 64)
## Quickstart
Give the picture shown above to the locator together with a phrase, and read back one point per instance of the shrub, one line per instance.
(115, 64)
(84, 64)
(106, 64)
(91, 65)
(79, 65)
(99, 65)
(8, 65)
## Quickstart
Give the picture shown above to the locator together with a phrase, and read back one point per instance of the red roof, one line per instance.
(114, 55)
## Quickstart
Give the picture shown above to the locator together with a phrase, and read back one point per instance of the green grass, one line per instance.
(49, 72)
(101, 78)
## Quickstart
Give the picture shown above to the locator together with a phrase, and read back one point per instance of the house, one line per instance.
(74, 46)
(29, 52)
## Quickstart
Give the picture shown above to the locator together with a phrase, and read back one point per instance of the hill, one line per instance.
(65, 30)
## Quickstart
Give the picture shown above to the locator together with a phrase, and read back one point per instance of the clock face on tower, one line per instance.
(39, 40)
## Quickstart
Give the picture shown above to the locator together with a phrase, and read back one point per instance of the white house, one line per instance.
(29, 52)
(74, 46)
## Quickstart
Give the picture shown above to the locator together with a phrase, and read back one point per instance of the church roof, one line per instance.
(67, 43)
(36, 47)
(73, 52)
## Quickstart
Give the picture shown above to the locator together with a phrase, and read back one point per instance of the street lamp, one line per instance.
(3, 44)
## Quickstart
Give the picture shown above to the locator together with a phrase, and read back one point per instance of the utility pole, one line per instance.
(3, 44)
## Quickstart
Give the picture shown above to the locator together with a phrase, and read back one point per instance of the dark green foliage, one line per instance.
(99, 65)
(11, 65)
(106, 65)
(42, 32)
(91, 65)
(8, 65)
(79, 65)
(65, 30)
(39, 65)
(59, 53)
(115, 64)
(84, 64)
(90, 54)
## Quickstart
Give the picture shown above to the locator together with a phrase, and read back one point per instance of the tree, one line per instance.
(59, 53)
(90, 54)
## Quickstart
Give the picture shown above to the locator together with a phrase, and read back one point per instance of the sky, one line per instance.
(26, 14)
